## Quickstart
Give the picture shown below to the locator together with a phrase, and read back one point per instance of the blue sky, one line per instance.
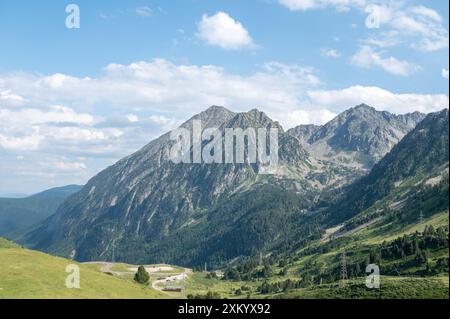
(73, 101)
(35, 39)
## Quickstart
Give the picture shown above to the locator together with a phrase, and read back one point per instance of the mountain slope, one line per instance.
(17, 214)
(144, 200)
(358, 137)
(146, 209)
(423, 154)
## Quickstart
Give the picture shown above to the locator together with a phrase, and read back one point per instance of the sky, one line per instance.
(77, 97)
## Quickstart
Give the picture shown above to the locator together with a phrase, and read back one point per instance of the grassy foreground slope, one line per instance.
(7, 244)
(27, 274)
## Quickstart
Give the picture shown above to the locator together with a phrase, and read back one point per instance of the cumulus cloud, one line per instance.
(69, 166)
(144, 11)
(444, 73)
(427, 13)
(29, 142)
(385, 39)
(312, 115)
(161, 86)
(423, 26)
(366, 58)
(94, 121)
(419, 27)
(339, 100)
(7, 95)
(330, 53)
(161, 94)
(303, 5)
(225, 32)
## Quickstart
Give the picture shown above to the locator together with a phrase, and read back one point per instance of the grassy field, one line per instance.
(198, 284)
(391, 288)
(27, 274)
(376, 235)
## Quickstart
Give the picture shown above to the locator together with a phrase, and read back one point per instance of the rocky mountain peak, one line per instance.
(359, 136)
(363, 108)
(214, 116)
(254, 118)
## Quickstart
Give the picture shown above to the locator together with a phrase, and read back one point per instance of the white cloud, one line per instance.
(339, 100)
(144, 11)
(132, 118)
(330, 53)
(423, 26)
(136, 103)
(7, 95)
(427, 13)
(303, 5)
(384, 39)
(55, 114)
(30, 142)
(156, 96)
(223, 31)
(69, 166)
(366, 58)
(318, 117)
(444, 73)
(418, 27)
(163, 87)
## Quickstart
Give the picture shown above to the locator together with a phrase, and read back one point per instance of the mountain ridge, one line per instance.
(359, 136)
(148, 209)
(17, 214)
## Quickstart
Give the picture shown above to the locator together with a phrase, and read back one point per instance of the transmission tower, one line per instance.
(421, 220)
(344, 275)
(421, 217)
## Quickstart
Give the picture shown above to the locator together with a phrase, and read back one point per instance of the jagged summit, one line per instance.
(363, 106)
(145, 199)
(359, 136)
(253, 118)
(214, 116)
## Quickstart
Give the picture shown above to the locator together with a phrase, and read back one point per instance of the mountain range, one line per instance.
(17, 214)
(146, 209)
